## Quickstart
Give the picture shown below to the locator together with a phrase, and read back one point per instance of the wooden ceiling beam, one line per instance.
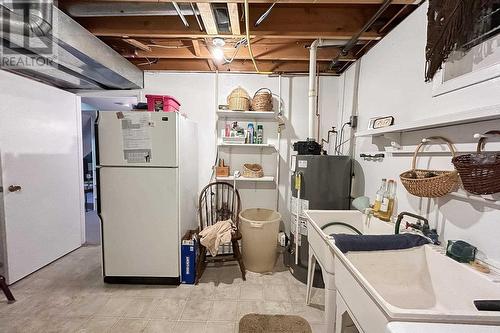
(135, 43)
(285, 52)
(207, 16)
(245, 66)
(234, 18)
(196, 47)
(310, 2)
(290, 22)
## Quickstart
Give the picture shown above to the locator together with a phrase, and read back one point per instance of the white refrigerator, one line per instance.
(147, 180)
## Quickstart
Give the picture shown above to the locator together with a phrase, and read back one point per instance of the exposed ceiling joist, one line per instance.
(292, 22)
(202, 65)
(196, 47)
(234, 18)
(287, 52)
(279, 42)
(207, 16)
(309, 2)
(137, 44)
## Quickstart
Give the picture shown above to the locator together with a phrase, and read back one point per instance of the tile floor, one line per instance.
(69, 296)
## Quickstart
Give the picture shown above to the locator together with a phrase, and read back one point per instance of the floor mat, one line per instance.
(258, 323)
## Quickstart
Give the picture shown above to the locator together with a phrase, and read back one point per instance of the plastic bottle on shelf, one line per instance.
(379, 196)
(260, 135)
(251, 133)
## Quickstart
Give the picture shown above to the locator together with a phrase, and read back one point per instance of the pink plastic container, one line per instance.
(158, 103)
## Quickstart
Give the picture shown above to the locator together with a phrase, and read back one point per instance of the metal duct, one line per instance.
(78, 60)
(40, 18)
(98, 9)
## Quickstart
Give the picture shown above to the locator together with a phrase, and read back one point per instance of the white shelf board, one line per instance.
(245, 179)
(246, 114)
(247, 145)
(475, 115)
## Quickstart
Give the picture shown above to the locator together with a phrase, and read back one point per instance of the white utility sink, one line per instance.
(320, 251)
(423, 284)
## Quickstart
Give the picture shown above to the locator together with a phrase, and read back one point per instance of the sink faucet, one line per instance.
(424, 228)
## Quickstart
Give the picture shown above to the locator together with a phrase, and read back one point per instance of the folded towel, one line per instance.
(215, 235)
(347, 243)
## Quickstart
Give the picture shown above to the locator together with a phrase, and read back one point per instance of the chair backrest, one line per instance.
(218, 201)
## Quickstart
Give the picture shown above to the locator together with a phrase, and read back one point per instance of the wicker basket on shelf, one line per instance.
(480, 172)
(238, 100)
(252, 170)
(429, 183)
(262, 100)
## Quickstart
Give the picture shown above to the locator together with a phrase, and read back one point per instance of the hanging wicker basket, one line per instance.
(252, 170)
(480, 172)
(238, 100)
(262, 100)
(429, 183)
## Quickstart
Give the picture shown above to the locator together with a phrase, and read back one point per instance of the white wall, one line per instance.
(41, 150)
(391, 82)
(199, 95)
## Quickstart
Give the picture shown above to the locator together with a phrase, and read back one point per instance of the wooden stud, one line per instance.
(234, 18)
(137, 44)
(207, 16)
(196, 47)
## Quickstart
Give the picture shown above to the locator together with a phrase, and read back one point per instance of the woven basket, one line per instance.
(418, 182)
(238, 100)
(480, 172)
(262, 100)
(252, 170)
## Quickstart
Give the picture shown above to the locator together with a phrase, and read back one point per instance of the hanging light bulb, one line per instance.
(217, 51)
(218, 54)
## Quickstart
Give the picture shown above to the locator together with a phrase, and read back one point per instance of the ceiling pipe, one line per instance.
(350, 44)
(196, 16)
(178, 10)
(313, 49)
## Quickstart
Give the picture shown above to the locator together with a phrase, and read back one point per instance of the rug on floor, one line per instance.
(258, 323)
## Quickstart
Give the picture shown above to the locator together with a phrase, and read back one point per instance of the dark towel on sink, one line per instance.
(347, 243)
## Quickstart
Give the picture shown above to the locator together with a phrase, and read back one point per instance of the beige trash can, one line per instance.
(259, 229)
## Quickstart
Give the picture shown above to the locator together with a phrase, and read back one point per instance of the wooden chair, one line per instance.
(219, 201)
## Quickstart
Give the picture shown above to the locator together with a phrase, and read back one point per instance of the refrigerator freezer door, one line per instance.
(137, 139)
(139, 211)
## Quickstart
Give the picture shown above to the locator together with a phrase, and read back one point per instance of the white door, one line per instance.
(140, 221)
(136, 138)
(41, 163)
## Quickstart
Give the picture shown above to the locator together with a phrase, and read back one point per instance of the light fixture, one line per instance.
(217, 51)
(218, 54)
(218, 42)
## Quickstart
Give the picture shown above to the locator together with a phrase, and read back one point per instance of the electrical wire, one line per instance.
(238, 44)
(247, 28)
(149, 62)
(168, 46)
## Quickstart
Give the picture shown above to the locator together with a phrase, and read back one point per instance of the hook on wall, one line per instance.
(372, 156)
